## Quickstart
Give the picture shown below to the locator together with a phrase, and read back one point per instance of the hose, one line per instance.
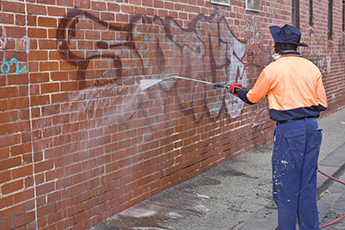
(334, 221)
(335, 179)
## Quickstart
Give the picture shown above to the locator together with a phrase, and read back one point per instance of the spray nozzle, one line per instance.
(220, 85)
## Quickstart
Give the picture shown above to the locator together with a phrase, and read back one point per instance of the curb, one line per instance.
(331, 169)
(321, 189)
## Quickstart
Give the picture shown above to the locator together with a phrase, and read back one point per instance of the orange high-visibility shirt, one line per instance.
(293, 86)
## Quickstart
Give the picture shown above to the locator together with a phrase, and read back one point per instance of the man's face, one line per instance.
(277, 47)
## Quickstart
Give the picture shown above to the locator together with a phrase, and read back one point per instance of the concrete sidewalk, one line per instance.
(237, 194)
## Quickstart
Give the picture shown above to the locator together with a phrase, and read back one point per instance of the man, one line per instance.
(296, 96)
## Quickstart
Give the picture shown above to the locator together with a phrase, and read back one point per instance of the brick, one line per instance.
(45, 188)
(48, 66)
(24, 218)
(37, 33)
(74, 190)
(98, 6)
(59, 97)
(60, 119)
(44, 166)
(113, 7)
(37, 55)
(158, 4)
(9, 140)
(72, 210)
(19, 125)
(16, 103)
(9, 92)
(38, 78)
(31, 21)
(5, 176)
(6, 201)
(83, 4)
(46, 45)
(148, 3)
(7, 18)
(50, 88)
(17, 80)
(20, 149)
(39, 100)
(22, 172)
(12, 186)
(7, 224)
(59, 75)
(36, 9)
(46, 209)
(54, 55)
(15, 32)
(20, 20)
(68, 86)
(47, 22)
(22, 196)
(13, 6)
(55, 217)
(20, 56)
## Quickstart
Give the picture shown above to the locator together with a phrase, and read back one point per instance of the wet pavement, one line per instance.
(332, 206)
(237, 194)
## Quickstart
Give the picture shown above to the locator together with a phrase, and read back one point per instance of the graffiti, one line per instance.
(6, 67)
(259, 57)
(24, 41)
(317, 55)
(3, 42)
(154, 47)
(25, 44)
(341, 51)
(258, 54)
(251, 30)
(261, 113)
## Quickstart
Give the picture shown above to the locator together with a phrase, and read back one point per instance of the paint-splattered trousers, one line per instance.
(294, 160)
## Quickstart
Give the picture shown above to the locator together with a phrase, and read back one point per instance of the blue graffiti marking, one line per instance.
(8, 67)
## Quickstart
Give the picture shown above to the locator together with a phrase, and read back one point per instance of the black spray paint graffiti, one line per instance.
(155, 47)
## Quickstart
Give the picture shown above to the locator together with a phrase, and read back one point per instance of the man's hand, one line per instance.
(234, 88)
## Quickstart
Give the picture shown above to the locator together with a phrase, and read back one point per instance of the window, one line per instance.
(311, 15)
(330, 19)
(295, 13)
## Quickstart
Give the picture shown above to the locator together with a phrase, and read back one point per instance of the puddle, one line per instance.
(232, 173)
(157, 212)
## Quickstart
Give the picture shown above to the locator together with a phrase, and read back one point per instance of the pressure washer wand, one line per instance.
(220, 85)
(216, 85)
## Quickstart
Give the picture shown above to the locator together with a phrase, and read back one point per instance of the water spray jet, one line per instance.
(146, 83)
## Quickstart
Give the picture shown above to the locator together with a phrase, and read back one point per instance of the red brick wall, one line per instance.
(80, 141)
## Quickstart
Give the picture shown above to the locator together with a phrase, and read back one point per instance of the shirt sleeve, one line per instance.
(321, 94)
(242, 94)
(259, 90)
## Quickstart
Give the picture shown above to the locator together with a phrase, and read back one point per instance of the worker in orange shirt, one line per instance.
(296, 95)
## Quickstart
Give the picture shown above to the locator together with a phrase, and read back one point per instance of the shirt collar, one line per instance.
(291, 52)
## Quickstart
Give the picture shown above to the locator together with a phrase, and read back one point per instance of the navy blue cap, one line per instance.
(287, 34)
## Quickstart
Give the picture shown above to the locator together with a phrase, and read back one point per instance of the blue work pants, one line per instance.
(294, 162)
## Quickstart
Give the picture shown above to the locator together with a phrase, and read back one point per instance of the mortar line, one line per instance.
(30, 114)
